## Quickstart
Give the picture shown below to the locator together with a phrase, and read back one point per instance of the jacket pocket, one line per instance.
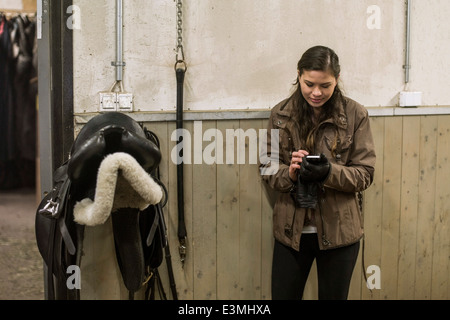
(283, 217)
(343, 144)
(349, 218)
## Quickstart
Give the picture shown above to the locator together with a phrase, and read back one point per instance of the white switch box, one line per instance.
(410, 99)
(125, 102)
(108, 101)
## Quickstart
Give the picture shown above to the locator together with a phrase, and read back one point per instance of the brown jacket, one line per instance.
(338, 218)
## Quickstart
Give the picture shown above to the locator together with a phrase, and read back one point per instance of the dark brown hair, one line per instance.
(318, 58)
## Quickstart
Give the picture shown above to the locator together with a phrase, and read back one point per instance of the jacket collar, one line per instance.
(287, 110)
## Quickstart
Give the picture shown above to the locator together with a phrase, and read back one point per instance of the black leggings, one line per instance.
(290, 269)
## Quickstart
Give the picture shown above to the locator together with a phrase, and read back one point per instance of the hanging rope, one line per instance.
(180, 70)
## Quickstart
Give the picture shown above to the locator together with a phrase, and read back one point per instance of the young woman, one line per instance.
(317, 214)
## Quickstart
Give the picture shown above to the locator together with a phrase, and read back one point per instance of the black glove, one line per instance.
(305, 195)
(316, 171)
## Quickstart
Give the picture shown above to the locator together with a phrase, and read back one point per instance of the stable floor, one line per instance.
(21, 267)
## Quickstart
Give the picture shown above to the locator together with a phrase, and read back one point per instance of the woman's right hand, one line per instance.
(296, 160)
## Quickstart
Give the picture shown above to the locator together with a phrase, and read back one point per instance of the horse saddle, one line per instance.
(112, 173)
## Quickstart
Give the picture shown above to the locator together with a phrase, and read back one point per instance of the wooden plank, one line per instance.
(408, 209)
(100, 273)
(160, 129)
(267, 239)
(311, 291)
(372, 210)
(183, 274)
(250, 218)
(392, 164)
(441, 240)
(204, 228)
(227, 221)
(426, 207)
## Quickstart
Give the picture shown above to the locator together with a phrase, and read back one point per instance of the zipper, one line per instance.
(325, 241)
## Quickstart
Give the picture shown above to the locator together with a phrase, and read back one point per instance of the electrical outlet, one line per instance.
(108, 101)
(125, 102)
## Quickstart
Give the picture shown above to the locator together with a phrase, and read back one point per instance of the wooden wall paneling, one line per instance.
(100, 274)
(441, 240)
(183, 274)
(228, 214)
(228, 237)
(408, 209)
(250, 214)
(372, 214)
(392, 164)
(267, 239)
(161, 132)
(204, 220)
(311, 291)
(426, 207)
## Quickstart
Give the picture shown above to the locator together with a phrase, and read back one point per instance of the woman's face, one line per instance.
(317, 87)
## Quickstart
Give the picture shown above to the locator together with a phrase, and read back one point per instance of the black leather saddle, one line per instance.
(139, 231)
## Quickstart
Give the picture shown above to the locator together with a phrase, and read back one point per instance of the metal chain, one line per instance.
(180, 49)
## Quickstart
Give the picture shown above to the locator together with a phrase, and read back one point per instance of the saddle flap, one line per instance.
(129, 250)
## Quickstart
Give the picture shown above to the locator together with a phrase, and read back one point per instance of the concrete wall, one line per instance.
(242, 54)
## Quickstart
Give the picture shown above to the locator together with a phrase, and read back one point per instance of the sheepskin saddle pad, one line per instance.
(110, 174)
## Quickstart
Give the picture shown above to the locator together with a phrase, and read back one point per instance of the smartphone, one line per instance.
(313, 158)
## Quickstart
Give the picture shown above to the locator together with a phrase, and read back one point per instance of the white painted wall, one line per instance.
(11, 5)
(242, 54)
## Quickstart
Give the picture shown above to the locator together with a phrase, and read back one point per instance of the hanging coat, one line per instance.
(25, 97)
(7, 127)
(7, 142)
